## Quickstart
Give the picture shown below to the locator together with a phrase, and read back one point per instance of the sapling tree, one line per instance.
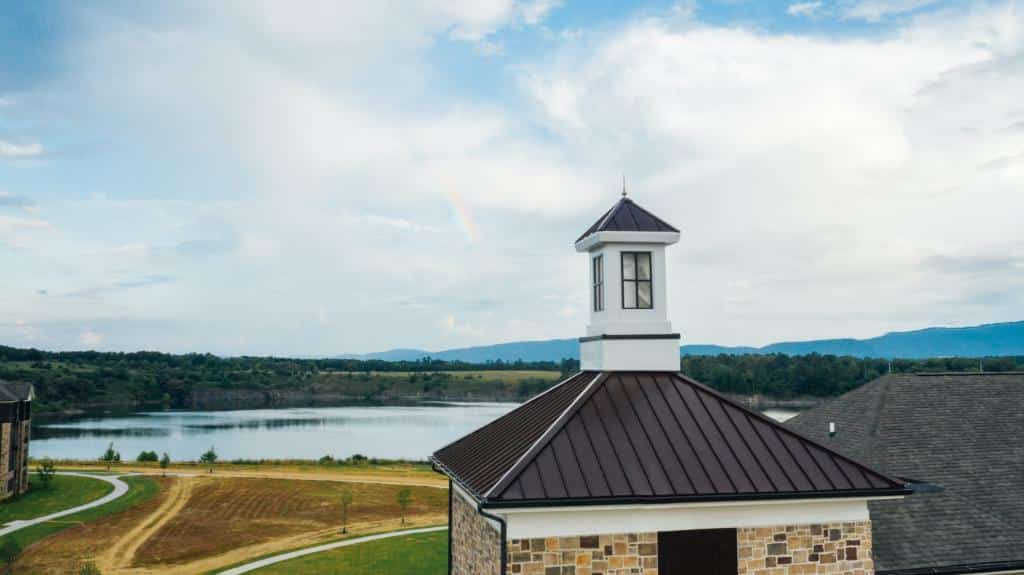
(346, 500)
(404, 499)
(209, 458)
(46, 470)
(164, 462)
(110, 456)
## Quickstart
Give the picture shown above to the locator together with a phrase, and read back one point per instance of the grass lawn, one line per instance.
(421, 554)
(140, 489)
(64, 492)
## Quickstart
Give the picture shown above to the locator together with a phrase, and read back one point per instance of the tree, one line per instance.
(147, 456)
(164, 462)
(46, 470)
(209, 458)
(9, 552)
(110, 456)
(404, 499)
(346, 500)
(89, 568)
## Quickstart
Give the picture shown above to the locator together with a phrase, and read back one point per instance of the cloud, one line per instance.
(804, 8)
(91, 339)
(877, 10)
(96, 291)
(13, 150)
(8, 200)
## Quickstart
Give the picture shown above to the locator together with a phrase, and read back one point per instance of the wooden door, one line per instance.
(704, 552)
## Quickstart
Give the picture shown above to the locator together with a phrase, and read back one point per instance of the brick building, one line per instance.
(15, 417)
(630, 467)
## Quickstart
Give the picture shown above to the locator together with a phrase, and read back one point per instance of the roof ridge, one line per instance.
(530, 454)
(863, 468)
(527, 402)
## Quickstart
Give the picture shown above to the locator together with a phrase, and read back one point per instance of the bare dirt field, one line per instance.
(201, 523)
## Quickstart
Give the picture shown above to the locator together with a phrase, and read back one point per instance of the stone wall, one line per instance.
(476, 544)
(618, 554)
(833, 548)
(26, 430)
(5, 458)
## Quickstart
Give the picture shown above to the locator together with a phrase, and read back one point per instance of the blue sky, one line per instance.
(261, 178)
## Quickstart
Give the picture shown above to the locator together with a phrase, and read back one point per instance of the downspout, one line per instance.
(504, 538)
(450, 526)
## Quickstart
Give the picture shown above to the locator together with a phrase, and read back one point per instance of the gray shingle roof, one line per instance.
(12, 391)
(962, 433)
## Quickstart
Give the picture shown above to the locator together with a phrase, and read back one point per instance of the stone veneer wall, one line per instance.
(26, 430)
(840, 548)
(476, 544)
(618, 554)
(5, 457)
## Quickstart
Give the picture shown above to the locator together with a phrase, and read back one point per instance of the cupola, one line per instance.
(629, 328)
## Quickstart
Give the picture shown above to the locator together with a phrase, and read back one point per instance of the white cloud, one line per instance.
(877, 10)
(804, 8)
(816, 170)
(91, 339)
(14, 150)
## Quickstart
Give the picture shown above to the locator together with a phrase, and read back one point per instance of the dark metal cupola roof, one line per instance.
(627, 216)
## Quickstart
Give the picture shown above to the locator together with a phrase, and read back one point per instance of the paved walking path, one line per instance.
(325, 547)
(120, 488)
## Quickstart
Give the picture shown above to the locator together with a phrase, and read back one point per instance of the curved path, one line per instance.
(325, 547)
(120, 488)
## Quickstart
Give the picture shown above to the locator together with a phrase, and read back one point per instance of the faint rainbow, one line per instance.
(463, 217)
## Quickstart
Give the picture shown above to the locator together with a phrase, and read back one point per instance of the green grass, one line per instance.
(420, 554)
(140, 489)
(64, 492)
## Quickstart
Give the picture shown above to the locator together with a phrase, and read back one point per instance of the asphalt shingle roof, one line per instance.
(15, 391)
(963, 435)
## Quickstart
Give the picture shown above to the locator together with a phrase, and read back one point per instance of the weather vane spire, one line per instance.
(624, 185)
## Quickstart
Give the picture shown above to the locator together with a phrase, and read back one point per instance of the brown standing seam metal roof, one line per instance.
(627, 216)
(645, 437)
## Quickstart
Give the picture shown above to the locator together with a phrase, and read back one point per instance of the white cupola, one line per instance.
(629, 328)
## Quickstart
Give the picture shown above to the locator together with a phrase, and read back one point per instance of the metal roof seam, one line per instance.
(689, 441)
(728, 444)
(711, 449)
(771, 453)
(504, 479)
(661, 426)
(654, 448)
(783, 429)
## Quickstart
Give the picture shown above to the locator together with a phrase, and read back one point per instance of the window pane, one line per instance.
(643, 295)
(600, 297)
(628, 294)
(643, 266)
(629, 266)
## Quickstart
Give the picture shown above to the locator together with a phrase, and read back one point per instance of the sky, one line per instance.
(319, 178)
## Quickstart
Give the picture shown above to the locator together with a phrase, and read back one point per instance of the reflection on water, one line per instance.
(407, 432)
(410, 432)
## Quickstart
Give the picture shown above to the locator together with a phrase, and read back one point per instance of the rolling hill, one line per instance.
(996, 339)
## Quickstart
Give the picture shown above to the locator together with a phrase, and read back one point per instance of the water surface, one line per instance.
(396, 432)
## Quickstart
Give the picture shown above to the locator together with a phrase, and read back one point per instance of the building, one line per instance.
(631, 467)
(960, 438)
(15, 417)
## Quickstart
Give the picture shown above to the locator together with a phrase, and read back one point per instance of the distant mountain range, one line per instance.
(984, 340)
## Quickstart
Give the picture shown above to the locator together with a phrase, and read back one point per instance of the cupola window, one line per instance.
(637, 291)
(598, 282)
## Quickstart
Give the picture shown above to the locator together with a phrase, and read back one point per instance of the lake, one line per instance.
(392, 432)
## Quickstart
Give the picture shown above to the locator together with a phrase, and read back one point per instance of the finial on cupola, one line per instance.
(629, 328)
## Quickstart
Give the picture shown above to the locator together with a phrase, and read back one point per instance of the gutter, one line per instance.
(504, 536)
(1016, 566)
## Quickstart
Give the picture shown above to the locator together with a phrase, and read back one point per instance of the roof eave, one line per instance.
(717, 498)
(596, 239)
